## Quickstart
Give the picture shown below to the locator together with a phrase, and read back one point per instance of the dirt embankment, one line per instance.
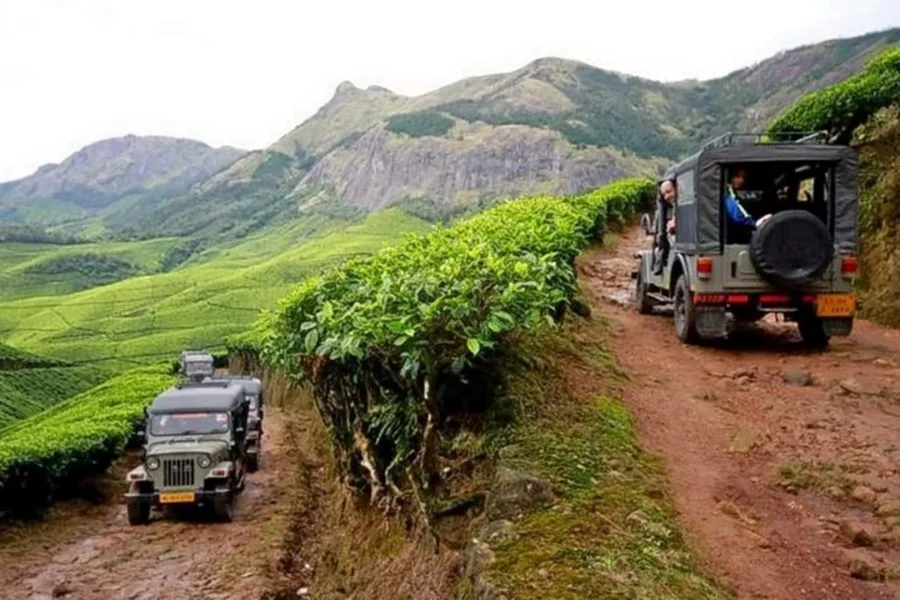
(89, 551)
(785, 463)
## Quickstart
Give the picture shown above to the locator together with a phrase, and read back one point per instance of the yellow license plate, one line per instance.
(173, 497)
(835, 305)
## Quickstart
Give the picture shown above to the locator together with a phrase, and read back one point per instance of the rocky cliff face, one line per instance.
(471, 161)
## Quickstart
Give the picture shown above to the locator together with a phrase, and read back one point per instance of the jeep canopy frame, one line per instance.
(700, 190)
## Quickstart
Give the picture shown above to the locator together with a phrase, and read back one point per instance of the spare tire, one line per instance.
(792, 249)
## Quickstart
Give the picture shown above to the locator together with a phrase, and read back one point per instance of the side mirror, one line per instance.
(141, 436)
(239, 431)
(646, 224)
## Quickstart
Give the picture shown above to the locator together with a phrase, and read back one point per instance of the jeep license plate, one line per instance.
(835, 305)
(173, 497)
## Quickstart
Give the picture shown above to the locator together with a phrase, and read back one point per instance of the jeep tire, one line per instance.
(642, 302)
(685, 325)
(792, 250)
(252, 462)
(812, 330)
(223, 505)
(138, 512)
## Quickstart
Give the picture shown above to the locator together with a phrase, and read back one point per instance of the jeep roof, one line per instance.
(252, 384)
(199, 397)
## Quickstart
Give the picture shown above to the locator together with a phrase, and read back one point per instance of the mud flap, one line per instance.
(711, 321)
(840, 327)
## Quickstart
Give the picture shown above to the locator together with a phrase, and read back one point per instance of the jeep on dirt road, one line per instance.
(194, 451)
(254, 393)
(760, 226)
(196, 364)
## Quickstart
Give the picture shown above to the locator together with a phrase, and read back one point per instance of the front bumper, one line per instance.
(201, 497)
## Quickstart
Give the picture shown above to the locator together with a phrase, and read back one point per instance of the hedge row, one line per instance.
(841, 108)
(45, 454)
(378, 336)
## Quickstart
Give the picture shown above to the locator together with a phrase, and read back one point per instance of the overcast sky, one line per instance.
(244, 73)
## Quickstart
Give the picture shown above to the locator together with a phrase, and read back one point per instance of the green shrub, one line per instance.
(420, 124)
(377, 337)
(44, 455)
(841, 108)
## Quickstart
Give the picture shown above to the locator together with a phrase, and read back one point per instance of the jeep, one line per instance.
(196, 364)
(253, 390)
(194, 451)
(790, 250)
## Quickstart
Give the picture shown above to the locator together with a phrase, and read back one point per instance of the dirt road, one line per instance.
(785, 463)
(88, 551)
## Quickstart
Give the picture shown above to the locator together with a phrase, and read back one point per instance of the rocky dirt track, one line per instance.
(785, 463)
(89, 551)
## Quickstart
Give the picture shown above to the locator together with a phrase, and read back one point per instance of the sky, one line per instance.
(244, 73)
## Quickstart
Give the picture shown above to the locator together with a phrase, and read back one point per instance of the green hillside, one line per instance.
(153, 317)
(26, 392)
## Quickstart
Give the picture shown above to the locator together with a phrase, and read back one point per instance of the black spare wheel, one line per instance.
(792, 249)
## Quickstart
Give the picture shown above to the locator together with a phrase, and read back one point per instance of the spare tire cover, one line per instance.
(792, 249)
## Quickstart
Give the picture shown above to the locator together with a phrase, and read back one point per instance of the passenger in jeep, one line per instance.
(736, 213)
(667, 216)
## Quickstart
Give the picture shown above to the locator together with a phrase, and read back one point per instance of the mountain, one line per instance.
(97, 177)
(554, 126)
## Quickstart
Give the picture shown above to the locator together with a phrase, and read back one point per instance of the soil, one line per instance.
(785, 462)
(85, 550)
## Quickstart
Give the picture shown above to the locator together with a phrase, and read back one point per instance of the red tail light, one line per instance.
(775, 299)
(704, 267)
(220, 472)
(738, 299)
(849, 265)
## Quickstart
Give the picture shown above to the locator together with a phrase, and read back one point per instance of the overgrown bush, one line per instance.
(841, 108)
(378, 337)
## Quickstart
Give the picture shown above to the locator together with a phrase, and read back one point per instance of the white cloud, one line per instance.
(241, 73)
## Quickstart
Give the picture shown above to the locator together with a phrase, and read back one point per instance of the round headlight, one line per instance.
(152, 463)
(204, 461)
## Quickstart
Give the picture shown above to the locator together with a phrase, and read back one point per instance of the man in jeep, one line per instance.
(736, 212)
(667, 216)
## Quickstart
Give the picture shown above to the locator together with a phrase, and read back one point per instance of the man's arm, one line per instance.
(737, 213)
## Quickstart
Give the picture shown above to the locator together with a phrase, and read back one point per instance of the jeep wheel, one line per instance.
(223, 507)
(792, 250)
(138, 513)
(812, 330)
(252, 462)
(685, 326)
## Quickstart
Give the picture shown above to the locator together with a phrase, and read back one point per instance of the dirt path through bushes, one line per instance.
(785, 462)
(88, 551)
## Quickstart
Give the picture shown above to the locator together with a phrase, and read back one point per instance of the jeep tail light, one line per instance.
(704, 267)
(220, 472)
(849, 265)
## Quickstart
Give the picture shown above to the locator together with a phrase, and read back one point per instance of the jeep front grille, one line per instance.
(178, 472)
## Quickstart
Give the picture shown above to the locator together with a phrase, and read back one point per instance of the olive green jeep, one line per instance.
(194, 451)
(761, 225)
(196, 364)
(254, 392)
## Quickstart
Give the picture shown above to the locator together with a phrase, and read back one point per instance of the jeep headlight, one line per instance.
(204, 461)
(152, 463)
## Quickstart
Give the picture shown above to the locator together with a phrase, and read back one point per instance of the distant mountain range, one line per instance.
(554, 126)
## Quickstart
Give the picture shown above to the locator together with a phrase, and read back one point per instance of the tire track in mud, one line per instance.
(785, 463)
(90, 552)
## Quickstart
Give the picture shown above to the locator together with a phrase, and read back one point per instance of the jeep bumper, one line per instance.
(200, 497)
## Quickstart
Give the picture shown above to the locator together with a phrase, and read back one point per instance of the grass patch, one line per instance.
(814, 476)
(612, 533)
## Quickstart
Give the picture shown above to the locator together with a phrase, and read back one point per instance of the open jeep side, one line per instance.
(799, 261)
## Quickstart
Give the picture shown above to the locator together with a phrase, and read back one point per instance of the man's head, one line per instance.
(738, 176)
(667, 190)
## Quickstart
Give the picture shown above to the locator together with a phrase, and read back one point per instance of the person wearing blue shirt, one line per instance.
(736, 213)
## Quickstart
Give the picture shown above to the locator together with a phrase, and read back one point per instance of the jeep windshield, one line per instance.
(194, 423)
(196, 367)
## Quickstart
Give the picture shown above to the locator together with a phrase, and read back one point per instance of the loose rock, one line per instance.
(800, 378)
(891, 508)
(863, 494)
(863, 566)
(858, 533)
(514, 493)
